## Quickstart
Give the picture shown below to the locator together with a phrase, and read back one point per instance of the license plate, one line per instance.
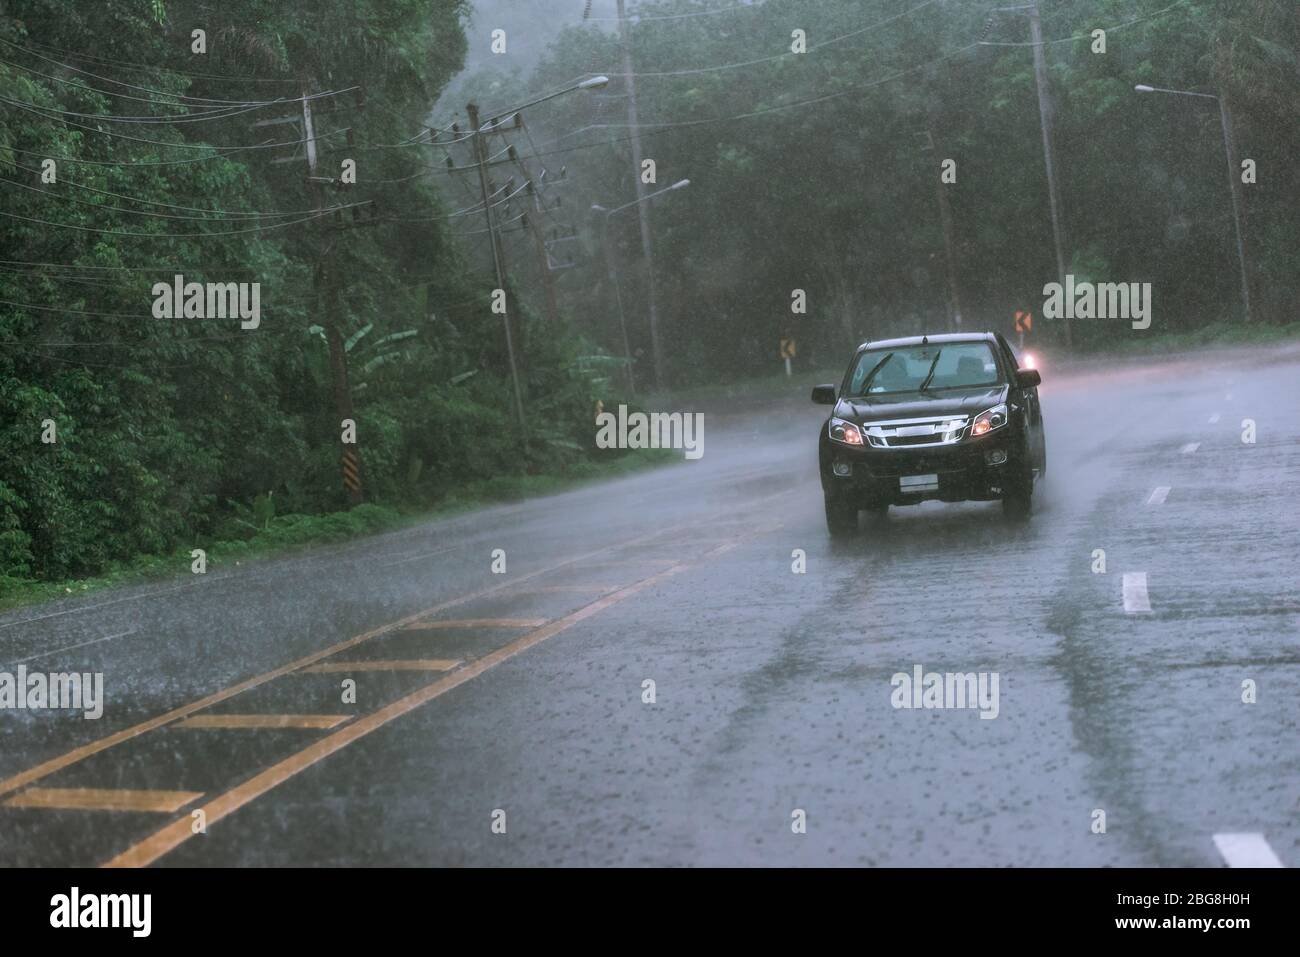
(918, 483)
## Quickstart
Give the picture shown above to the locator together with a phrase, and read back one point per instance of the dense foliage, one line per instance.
(818, 171)
(170, 432)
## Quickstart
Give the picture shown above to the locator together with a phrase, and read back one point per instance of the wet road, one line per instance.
(503, 718)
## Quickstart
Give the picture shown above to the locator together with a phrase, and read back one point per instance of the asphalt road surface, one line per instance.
(502, 718)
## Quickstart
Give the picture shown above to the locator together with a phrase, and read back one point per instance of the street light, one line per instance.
(1225, 122)
(648, 196)
(591, 83)
(613, 275)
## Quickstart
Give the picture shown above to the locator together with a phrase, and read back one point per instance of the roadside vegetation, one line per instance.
(281, 535)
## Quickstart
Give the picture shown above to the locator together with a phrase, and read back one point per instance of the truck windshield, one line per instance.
(929, 368)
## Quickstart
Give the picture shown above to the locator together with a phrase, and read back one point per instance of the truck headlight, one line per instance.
(986, 422)
(845, 433)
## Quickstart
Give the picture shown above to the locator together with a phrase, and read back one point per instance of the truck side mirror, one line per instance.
(823, 394)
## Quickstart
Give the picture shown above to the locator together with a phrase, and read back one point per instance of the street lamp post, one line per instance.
(618, 297)
(613, 274)
(1229, 150)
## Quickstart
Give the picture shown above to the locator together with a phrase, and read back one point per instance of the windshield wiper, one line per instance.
(866, 383)
(930, 375)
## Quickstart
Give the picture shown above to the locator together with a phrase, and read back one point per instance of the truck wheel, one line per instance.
(1018, 494)
(841, 516)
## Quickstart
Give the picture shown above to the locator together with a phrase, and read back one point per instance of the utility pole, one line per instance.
(328, 279)
(498, 257)
(1234, 184)
(1045, 118)
(534, 225)
(950, 253)
(643, 211)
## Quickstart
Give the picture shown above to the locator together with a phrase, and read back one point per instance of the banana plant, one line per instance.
(365, 357)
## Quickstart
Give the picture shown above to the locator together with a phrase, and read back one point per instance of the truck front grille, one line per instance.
(916, 433)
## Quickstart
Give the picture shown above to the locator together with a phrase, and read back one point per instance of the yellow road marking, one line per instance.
(427, 625)
(103, 799)
(178, 832)
(422, 664)
(76, 755)
(222, 722)
(46, 768)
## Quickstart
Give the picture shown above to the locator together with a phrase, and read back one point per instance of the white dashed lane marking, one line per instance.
(80, 644)
(1158, 495)
(1135, 593)
(1246, 850)
(1190, 447)
(1214, 418)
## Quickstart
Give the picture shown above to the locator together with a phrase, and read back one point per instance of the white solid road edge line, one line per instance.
(1246, 850)
(1190, 447)
(1135, 593)
(1158, 495)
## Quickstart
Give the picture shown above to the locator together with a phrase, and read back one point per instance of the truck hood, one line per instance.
(865, 409)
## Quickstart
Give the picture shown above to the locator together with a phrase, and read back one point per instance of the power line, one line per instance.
(106, 79)
(154, 68)
(638, 18)
(493, 126)
(400, 179)
(227, 232)
(468, 210)
(220, 151)
(71, 312)
(208, 109)
(1084, 36)
(88, 362)
(653, 127)
(201, 267)
(776, 56)
(138, 139)
(500, 227)
(219, 213)
(123, 344)
(121, 163)
(663, 126)
(152, 119)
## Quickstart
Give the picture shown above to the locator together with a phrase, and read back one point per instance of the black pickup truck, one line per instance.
(948, 417)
